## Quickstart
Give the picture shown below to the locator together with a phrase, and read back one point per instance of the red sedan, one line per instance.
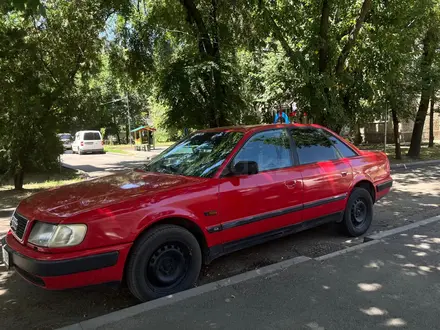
(213, 193)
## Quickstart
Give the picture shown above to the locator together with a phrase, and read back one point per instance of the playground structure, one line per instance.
(144, 139)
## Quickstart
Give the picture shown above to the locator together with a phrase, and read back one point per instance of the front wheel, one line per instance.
(165, 260)
(358, 212)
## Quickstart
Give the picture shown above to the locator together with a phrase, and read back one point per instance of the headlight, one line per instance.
(49, 235)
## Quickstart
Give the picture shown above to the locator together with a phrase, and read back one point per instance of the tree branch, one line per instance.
(41, 58)
(366, 6)
(323, 36)
(276, 30)
(194, 13)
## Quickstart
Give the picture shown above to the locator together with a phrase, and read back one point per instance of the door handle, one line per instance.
(344, 174)
(290, 184)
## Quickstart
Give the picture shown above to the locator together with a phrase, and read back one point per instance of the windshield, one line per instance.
(64, 136)
(199, 155)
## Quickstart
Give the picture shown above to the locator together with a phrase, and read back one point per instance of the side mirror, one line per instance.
(245, 168)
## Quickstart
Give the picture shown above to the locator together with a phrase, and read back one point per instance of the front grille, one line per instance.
(18, 225)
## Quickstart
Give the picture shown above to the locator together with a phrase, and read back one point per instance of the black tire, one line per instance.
(358, 213)
(163, 250)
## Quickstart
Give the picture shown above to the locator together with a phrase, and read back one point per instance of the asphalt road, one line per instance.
(103, 164)
(415, 196)
(387, 285)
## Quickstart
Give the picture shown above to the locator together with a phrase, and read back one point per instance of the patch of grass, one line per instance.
(33, 183)
(425, 153)
(118, 149)
(165, 144)
(126, 149)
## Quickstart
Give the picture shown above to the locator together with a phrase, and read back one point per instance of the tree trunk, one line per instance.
(358, 135)
(209, 50)
(18, 179)
(398, 150)
(431, 121)
(429, 45)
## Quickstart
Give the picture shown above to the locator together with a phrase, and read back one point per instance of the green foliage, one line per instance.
(45, 62)
(72, 65)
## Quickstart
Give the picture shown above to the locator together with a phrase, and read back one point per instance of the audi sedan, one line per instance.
(214, 192)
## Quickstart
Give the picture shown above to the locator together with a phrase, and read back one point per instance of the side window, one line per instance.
(313, 146)
(343, 149)
(270, 149)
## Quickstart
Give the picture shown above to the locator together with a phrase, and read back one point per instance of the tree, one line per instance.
(388, 55)
(430, 44)
(44, 61)
(187, 51)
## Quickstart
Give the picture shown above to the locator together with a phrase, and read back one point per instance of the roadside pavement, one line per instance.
(104, 164)
(390, 282)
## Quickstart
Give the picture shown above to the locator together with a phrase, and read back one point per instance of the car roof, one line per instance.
(88, 132)
(256, 128)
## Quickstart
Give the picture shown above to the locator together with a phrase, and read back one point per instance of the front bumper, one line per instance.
(97, 267)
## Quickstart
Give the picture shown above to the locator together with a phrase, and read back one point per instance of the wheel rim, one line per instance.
(359, 212)
(168, 265)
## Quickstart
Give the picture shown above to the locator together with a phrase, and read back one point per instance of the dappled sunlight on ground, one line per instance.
(375, 264)
(369, 287)
(395, 323)
(3, 279)
(374, 311)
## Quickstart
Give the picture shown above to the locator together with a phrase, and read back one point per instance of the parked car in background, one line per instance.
(213, 193)
(66, 140)
(88, 142)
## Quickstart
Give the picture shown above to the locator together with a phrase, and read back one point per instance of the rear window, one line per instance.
(64, 136)
(313, 146)
(345, 150)
(90, 136)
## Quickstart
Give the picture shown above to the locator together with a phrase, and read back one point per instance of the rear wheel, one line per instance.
(358, 212)
(165, 260)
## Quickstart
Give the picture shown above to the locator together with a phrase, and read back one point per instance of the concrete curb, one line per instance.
(347, 250)
(398, 230)
(81, 172)
(414, 164)
(141, 308)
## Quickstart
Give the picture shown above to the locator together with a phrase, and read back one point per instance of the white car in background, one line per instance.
(88, 142)
(66, 140)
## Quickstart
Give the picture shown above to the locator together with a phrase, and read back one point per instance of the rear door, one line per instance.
(326, 174)
(92, 141)
(263, 202)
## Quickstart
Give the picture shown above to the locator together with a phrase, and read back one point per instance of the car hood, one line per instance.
(56, 204)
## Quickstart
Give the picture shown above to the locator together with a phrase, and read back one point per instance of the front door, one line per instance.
(260, 203)
(326, 174)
